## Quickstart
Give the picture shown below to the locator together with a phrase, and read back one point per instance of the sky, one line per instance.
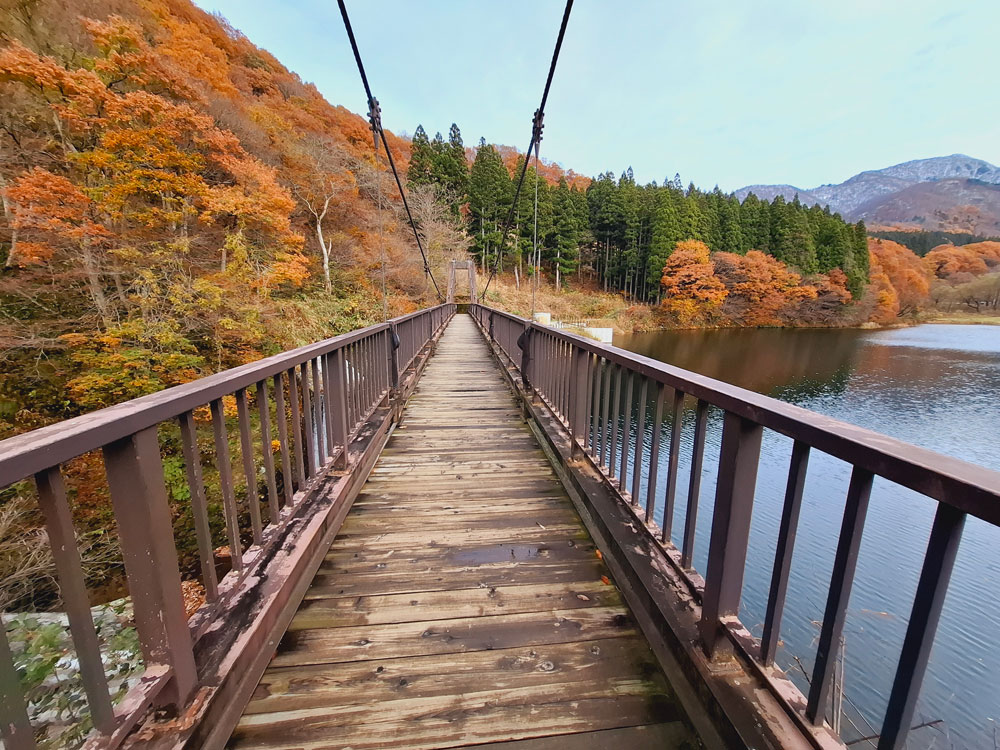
(723, 92)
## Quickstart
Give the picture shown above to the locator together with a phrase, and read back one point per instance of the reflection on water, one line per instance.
(934, 385)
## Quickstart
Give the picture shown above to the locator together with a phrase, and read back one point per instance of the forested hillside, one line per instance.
(617, 232)
(174, 202)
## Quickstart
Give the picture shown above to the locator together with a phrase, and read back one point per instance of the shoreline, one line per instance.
(938, 319)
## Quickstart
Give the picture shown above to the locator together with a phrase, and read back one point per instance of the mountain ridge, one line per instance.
(956, 192)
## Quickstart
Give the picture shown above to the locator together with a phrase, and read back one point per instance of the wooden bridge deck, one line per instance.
(463, 602)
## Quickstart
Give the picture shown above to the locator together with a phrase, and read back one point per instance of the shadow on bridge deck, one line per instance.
(462, 602)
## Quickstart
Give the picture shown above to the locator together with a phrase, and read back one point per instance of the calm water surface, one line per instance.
(937, 386)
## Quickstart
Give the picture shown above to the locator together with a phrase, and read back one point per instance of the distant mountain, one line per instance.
(950, 193)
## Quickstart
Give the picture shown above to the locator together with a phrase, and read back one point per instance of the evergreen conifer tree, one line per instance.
(421, 171)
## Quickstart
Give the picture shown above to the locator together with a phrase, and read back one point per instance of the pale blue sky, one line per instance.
(728, 91)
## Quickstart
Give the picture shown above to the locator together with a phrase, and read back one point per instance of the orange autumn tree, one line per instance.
(904, 272)
(58, 226)
(761, 289)
(691, 292)
(954, 263)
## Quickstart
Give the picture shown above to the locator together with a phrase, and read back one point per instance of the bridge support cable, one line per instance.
(536, 137)
(375, 118)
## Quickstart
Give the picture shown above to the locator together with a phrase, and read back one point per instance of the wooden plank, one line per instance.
(468, 520)
(369, 642)
(489, 716)
(605, 661)
(644, 737)
(407, 577)
(452, 538)
(318, 611)
(351, 562)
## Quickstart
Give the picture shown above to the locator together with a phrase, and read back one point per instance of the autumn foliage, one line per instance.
(691, 291)
(158, 174)
(755, 289)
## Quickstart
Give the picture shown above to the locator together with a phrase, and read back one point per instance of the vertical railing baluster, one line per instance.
(673, 458)
(562, 376)
(640, 437)
(286, 458)
(338, 389)
(841, 582)
(319, 399)
(615, 406)
(605, 411)
(264, 414)
(727, 547)
(588, 401)
(369, 371)
(73, 592)
(199, 507)
(359, 379)
(310, 429)
(134, 471)
(15, 728)
(694, 483)
(596, 376)
(578, 398)
(225, 466)
(249, 470)
(939, 562)
(654, 453)
(330, 406)
(351, 387)
(783, 552)
(626, 431)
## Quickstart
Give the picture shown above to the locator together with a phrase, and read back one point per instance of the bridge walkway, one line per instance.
(463, 602)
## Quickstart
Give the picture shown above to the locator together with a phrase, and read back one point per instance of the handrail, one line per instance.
(23, 455)
(970, 487)
(320, 399)
(588, 388)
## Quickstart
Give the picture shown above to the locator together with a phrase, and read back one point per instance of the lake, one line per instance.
(937, 386)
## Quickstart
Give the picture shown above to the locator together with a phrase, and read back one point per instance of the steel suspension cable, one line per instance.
(375, 117)
(536, 137)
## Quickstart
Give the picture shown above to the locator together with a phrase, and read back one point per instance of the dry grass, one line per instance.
(962, 318)
(577, 301)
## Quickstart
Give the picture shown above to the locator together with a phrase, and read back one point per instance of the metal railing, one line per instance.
(315, 399)
(589, 388)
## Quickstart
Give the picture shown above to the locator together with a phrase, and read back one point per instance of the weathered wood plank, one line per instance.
(408, 577)
(319, 611)
(477, 717)
(644, 737)
(368, 642)
(604, 661)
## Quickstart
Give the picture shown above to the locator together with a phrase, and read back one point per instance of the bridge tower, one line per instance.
(457, 265)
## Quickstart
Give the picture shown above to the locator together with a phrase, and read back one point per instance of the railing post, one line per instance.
(338, 407)
(73, 591)
(135, 480)
(841, 582)
(579, 389)
(524, 344)
(394, 396)
(939, 561)
(15, 728)
(727, 550)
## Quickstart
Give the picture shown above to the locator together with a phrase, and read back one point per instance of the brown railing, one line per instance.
(589, 388)
(315, 401)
